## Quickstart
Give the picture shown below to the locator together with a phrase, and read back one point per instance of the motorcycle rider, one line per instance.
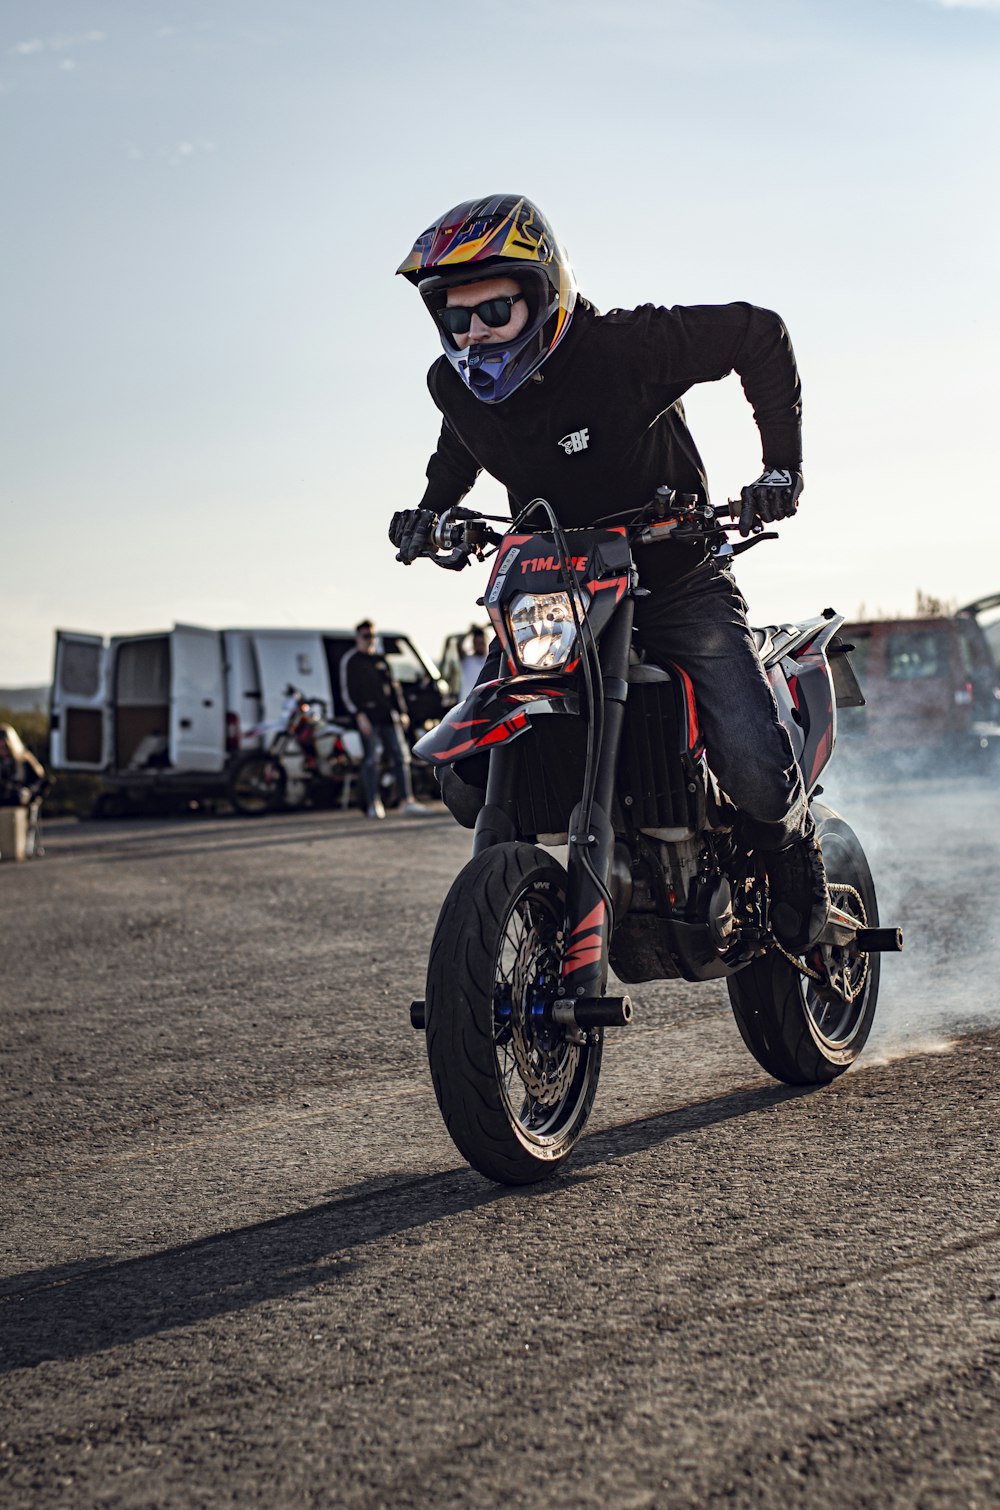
(556, 400)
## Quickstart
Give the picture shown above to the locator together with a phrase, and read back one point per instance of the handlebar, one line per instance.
(668, 516)
(460, 538)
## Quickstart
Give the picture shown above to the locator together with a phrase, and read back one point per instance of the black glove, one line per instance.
(410, 533)
(775, 495)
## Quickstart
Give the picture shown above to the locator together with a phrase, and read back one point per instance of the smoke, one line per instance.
(933, 844)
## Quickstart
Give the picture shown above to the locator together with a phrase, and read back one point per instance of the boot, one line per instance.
(461, 799)
(800, 901)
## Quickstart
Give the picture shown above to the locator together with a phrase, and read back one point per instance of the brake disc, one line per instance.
(547, 1073)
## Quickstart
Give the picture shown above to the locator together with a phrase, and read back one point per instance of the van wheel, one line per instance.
(257, 784)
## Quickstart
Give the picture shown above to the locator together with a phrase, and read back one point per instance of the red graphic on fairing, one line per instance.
(618, 583)
(585, 950)
(506, 730)
(695, 741)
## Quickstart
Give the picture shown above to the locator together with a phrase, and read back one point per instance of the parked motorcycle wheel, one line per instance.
(798, 1029)
(515, 1094)
(257, 784)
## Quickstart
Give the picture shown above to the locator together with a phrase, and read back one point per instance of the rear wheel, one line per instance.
(514, 1089)
(257, 784)
(803, 1030)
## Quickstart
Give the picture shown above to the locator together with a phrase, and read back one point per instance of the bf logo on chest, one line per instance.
(576, 440)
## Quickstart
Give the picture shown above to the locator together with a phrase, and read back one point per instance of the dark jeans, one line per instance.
(700, 624)
(393, 741)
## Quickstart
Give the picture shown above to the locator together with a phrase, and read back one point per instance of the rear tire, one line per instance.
(257, 784)
(800, 1032)
(514, 1092)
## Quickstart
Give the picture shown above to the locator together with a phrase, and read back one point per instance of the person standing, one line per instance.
(22, 777)
(472, 663)
(374, 697)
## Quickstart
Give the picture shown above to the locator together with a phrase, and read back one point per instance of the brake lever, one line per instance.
(455, 560)
(755, 539)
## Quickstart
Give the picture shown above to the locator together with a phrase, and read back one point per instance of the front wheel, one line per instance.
(802, 1030)
(514, 1089)
(257, 784)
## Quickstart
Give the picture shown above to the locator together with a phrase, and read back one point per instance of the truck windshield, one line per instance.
(916, 654)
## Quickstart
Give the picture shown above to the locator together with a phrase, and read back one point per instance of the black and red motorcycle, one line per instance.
(594, 748)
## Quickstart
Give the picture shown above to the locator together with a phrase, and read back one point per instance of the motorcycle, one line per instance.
(594, 748)
(302, 755)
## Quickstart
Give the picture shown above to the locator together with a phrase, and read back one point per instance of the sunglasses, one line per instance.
(492, 312)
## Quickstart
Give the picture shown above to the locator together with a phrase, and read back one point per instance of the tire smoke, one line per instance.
(933, 844)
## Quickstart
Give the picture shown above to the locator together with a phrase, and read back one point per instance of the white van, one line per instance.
(168, 711)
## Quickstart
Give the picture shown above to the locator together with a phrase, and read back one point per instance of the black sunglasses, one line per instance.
(492, 312)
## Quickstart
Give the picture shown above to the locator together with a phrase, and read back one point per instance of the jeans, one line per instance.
(700, 623)
(393, 741)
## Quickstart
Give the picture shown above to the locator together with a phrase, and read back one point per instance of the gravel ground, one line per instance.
(243, 1263)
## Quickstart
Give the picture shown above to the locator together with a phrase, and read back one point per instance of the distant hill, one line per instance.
(25, 699)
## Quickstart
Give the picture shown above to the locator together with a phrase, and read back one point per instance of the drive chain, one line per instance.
(850, 992)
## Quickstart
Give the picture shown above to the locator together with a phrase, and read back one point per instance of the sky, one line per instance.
(212, 387)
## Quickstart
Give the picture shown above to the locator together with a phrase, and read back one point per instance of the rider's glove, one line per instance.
(410, 533)
(775, 495)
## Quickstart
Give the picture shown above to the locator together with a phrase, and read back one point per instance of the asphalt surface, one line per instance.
(243, 1263)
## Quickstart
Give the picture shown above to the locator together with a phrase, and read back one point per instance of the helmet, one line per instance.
(505, 235)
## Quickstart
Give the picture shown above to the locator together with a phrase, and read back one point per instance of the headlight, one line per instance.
(543, 628)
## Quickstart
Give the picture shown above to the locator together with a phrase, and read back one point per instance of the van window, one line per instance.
(916, 654)
(80, 668)
(402, 660)
(142, 672)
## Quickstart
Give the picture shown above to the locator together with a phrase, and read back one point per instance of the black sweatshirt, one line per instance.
(367, 686)
(601, 425)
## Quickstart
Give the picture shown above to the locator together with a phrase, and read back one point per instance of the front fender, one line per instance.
(492, 714)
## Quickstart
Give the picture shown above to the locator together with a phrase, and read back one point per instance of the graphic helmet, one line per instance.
(504, 235)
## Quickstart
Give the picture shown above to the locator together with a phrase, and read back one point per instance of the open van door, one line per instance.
(197, 699)
(78, 711)
(290, 657)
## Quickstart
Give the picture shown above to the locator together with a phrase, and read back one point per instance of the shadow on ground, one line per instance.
(77, 1309)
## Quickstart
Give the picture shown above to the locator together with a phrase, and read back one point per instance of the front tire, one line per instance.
(514, 1091)
(796, 1028)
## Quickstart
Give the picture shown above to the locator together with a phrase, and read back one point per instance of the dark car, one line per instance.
(930, 686)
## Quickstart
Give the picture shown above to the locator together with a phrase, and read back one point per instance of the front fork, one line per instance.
(590, 917)
(589, 913)
(589, 908)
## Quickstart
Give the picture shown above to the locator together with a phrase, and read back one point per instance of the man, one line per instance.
(472, 662)
(558, 401)
(376, 700)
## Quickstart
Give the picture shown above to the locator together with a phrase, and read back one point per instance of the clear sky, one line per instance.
(212, 388)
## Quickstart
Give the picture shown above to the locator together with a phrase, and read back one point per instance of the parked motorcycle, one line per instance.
(302, 757)
(594, 748)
